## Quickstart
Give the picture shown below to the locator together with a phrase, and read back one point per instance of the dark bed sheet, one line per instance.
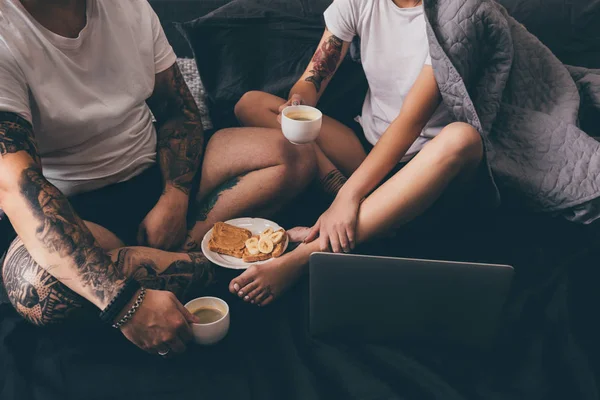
(548, 348)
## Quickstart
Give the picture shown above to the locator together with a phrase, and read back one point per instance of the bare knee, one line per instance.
(250, 103)
(460, 144)
(35, 294)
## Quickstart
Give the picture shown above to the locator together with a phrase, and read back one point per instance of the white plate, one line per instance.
(254, 225)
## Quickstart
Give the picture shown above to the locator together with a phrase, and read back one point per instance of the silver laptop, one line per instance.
(375, 299)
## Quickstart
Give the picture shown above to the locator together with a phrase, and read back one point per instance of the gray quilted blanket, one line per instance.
(496, 76)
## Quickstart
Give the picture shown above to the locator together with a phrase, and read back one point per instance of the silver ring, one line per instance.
(164, 353)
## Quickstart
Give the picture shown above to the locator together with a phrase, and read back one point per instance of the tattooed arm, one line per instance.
(324, 64)
(53, 234)
(180, 145)
(180, 133)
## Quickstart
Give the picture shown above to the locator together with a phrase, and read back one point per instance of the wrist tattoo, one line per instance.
(180, 132)
(16, 134)
(333, 182)
(325, 61)
(63, 233)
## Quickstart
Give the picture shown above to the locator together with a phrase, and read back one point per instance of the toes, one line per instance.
(264, 294)
(244, 292)
(252, 296)
(243, 280)
(267, 301)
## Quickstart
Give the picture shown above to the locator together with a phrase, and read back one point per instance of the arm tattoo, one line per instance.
(192, 273)
(62, 232)
(38, 296)
(325, 61)
(180, 133)
(333, 182)
(16, 134)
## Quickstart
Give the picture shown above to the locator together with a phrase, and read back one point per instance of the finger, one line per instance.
(267, 301)
(334, 240)
(279, 118)
(323, 241)
(247, 289)
(344, 242)
(162, 350)
(296, 100)
(176, 346)
(351, 237)
(313, 234)
(187, 315)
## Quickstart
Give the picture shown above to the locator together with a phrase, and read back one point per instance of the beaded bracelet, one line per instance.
(132, 310)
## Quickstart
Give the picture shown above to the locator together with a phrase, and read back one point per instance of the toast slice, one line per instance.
(228, 239)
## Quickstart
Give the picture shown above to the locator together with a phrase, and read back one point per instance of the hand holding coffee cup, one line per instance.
(301, 124)
(212, 314)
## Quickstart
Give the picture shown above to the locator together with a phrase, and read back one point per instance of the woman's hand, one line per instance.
(295, 100)
(336, 228)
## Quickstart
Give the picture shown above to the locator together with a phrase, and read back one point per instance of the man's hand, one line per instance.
(165, 225)
(161, 324)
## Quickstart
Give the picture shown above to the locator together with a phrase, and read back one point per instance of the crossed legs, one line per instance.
(449, 161)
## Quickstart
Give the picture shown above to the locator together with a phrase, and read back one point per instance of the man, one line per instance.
(78, 147)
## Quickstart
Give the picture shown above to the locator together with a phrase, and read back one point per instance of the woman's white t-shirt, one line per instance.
(86, 96)
(394, 48)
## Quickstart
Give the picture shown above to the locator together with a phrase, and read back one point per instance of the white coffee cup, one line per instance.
(301, 131)
(212, 332)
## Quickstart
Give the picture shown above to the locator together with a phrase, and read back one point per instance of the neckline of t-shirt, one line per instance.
(58, 40)
(407, 10)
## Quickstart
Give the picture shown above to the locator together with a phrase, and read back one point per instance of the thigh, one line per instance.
(339, 142)
(121, 207)
(236, 151)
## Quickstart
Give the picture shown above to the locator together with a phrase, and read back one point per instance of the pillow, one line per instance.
(265, 45)
(568, 27)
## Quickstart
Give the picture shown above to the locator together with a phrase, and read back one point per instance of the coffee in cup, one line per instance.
(213, 315)
(301, 124)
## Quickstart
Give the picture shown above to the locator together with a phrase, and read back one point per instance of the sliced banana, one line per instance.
(276, 237)
(265, 245)
(252, 246)
(266, 233)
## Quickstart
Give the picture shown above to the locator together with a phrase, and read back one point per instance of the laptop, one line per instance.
(383, 299)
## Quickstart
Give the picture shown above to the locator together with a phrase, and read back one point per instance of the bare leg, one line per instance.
(247, 171)
(43, 300)
(452, 157)
(337, 142)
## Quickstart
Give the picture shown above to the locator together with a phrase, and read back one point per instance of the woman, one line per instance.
(415, 151)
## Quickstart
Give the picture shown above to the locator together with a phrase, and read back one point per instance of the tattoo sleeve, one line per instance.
(325, 61)
(16, 134)
(180, 133)
(64, 234)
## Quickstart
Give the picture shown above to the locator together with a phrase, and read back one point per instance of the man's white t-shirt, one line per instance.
(86, 96)
(394, 48)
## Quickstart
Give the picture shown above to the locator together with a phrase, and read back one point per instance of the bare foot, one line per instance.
(298, 234)
(262, 283)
